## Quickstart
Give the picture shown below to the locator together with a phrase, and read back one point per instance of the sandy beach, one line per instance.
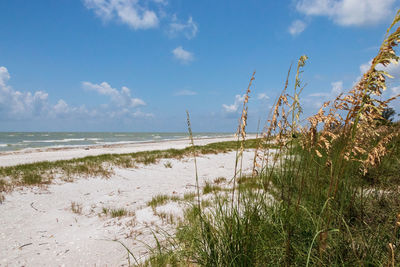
(11, 158)
(40, 228)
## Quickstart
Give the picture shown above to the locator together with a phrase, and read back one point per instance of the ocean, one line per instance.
(11, 141)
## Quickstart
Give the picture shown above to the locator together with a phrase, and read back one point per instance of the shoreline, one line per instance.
(28, 142)
(32, 155)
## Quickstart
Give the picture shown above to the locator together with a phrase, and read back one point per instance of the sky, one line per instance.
(138, 65)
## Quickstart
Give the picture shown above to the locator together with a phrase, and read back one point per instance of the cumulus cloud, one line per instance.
(127, 113)
(63, 110)
(17, 105)
(392, 69)
(130, 12)
(235, 106)
(297, 27)
(395, 91)
(348, 12)
(61, 107)
(337, 88)
(140, 114)
(120, 98)
(185, 93)
(188, 29)
(318, 98)
(182, 55)
(4, 76)
(262, 96)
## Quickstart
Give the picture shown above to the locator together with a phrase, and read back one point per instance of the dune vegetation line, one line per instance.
(44, 172)
(325, 194)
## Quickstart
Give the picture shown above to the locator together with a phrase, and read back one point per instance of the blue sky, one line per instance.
(137, 65)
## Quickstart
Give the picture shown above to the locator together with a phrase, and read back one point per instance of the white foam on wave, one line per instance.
(54, 141)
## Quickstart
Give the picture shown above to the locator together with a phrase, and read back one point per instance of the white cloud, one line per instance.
(392, 69)
(337, 88)
(127, 113)
(395, 91)
(185, 93)
(120, 98)
(188, 29)
(164, 2)
(63, 110)
(235, 106)
(17, 105)
(318, 98)
(297, 27)
(365, 67)
(348, 12)
(139, 114)
(182, 55)
(130, 12)
(61, 107)
(4, 76)
(262, 96)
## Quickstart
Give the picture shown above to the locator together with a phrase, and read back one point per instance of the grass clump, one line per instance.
(210, 188)
(31, 178)
(189, 196)
(117, 212)
(158, 200)
(3, 185)
(168, 164)
(219, 180)
(76, 207)
(104, 210)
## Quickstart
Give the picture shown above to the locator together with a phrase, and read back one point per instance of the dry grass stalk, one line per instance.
(362, 110)
(279, 129)
(194, 156)
(241, 136)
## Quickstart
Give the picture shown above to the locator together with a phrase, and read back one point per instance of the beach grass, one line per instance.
(168, 165)
(158, 200)
(210, 188)
(117, 212)
(76, 207)
(327, 195)
(161, 199)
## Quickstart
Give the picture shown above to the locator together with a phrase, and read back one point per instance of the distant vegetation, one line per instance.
(99, 166)
(326, 194)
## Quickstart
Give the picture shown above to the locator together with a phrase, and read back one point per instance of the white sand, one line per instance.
(52, 154)
(38, 227)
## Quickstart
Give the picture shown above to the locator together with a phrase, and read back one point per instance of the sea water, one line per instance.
(10, 141)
